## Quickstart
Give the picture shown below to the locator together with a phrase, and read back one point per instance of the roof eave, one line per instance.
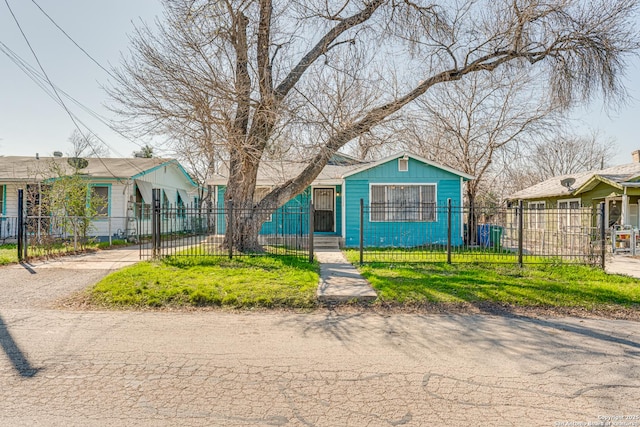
(465, 176)
(593, 181)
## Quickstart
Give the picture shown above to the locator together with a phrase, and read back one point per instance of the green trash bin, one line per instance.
(495, 238)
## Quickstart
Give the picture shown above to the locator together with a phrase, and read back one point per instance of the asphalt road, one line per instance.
(75, 368)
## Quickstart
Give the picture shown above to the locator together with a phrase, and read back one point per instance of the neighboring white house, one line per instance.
(122, 182)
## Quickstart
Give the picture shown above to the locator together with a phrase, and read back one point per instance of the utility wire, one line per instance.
(53, 87)
(72, 40)
(38, 79)
(111, 126)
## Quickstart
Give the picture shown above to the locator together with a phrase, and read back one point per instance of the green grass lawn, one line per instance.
(534, 285)
(261, 281)
(8, 254)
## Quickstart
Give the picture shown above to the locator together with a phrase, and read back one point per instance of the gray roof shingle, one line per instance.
(552, 187)
(24, 168)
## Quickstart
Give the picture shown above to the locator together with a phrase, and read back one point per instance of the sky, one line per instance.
(32, 122)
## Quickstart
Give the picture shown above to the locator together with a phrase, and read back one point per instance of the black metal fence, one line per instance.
(52, 235)
(388, 233)
(191, 230)
(453, 234)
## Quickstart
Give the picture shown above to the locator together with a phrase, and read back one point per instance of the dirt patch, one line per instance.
(82, 301)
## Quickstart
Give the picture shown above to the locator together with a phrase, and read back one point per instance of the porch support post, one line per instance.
(625, 208)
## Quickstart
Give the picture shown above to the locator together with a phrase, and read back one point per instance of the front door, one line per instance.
(323, 203)
(615, 212)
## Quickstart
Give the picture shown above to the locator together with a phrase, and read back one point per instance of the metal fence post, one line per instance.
(230, 228)
(155, 222)
(20, 223)
(311, 227)
(520, 231)
(449, 231)
(603, 247)
(361, 231)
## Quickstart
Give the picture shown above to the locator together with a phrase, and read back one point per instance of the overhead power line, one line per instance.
(72, 40)
(53, 87)
(40, 81)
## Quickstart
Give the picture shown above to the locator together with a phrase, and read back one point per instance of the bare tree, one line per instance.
(471, 123)
(565, 154)
(253, 74)
(86, 145)
(562, 153)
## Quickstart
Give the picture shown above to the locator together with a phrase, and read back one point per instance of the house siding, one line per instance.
(357, 186)
(168, 177)
(284, 220)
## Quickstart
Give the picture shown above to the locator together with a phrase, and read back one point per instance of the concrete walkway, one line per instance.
(111, 259)
(340, 281)
(623, 264)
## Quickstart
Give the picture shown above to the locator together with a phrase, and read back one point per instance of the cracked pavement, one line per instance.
(326, 368)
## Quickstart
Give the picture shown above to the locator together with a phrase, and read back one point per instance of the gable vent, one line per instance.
(403, 164)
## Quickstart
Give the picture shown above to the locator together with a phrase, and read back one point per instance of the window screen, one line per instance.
(403, 202)
(102, 194)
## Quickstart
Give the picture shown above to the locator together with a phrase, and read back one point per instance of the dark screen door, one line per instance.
(323, 203)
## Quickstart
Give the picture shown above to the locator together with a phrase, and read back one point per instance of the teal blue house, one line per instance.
(402, 197)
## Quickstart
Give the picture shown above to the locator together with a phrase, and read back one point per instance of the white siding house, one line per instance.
(123, 182)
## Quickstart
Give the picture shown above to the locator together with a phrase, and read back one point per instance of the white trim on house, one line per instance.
(567, 212)
(405, 184)
(539, 225)
(344, 211)
(403, 164)
(409, 155)
(607, 213)
(461, 204)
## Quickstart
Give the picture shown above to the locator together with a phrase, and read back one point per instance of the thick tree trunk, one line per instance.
(243, 229)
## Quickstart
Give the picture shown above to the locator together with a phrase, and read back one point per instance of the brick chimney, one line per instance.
(635, 155)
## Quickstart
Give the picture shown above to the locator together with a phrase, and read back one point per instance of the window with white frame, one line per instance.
(568, 214)
(2, 191)
(403, 164)
(403, 202)
(536, 215)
